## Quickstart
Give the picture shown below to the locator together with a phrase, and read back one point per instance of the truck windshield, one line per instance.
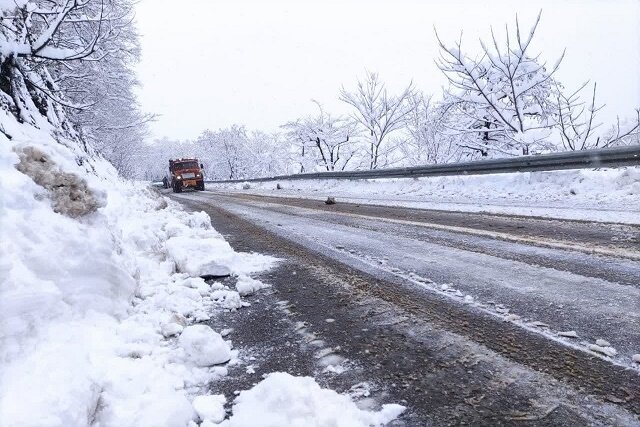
(187, 165)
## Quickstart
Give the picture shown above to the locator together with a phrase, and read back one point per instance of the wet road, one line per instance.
(504, 287)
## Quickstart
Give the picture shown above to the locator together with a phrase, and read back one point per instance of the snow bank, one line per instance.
(284, 400)
(98, 290)
(607, 195)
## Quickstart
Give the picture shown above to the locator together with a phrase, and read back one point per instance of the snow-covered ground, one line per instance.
(606, 195)
(100, 299)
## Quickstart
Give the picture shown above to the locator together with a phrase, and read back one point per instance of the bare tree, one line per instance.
(503, 99)
(379, 113)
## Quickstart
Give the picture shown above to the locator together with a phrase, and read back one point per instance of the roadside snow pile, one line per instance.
(284, 400)
(597, 195)
(97, 277)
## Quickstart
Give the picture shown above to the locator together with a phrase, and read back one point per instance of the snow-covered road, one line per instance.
(549, 289)
(523, 293)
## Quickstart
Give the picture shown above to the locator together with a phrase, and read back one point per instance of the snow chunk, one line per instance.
(171, 329)
(247, 285)
(282, 399)
(636, 358)
(210, 408)
(607, 351)
(203, 346)
(194, 257)
(539, 324)
(568, 334)
(603, 343)
(227, 299)
(214, 270)
(209, 254)
(335, 369)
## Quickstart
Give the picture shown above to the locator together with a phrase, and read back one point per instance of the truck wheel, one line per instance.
(177, 188)
(200, 186)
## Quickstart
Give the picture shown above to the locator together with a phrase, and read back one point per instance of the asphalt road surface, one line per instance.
(465, 318)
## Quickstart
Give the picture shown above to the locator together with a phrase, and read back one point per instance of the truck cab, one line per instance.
(185, 173)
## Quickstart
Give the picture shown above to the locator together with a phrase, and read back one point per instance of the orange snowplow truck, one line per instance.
(185, 173)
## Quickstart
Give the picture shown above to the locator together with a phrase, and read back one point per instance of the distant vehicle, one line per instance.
(184, 173)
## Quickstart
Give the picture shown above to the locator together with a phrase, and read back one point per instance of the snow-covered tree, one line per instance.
(503, 101)
(228, 153)
(427, 142)
(112, 120)
(224, 151)
(77, 56)
(623, 132)
(378, 114)
(267, 154)
(576, 121)
(326, 141)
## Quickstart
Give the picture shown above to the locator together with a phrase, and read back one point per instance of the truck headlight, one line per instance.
(179, 177)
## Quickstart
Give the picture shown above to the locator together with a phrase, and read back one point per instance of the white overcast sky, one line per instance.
(207, 64)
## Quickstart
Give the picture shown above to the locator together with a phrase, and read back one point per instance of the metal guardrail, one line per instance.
(585, 159)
